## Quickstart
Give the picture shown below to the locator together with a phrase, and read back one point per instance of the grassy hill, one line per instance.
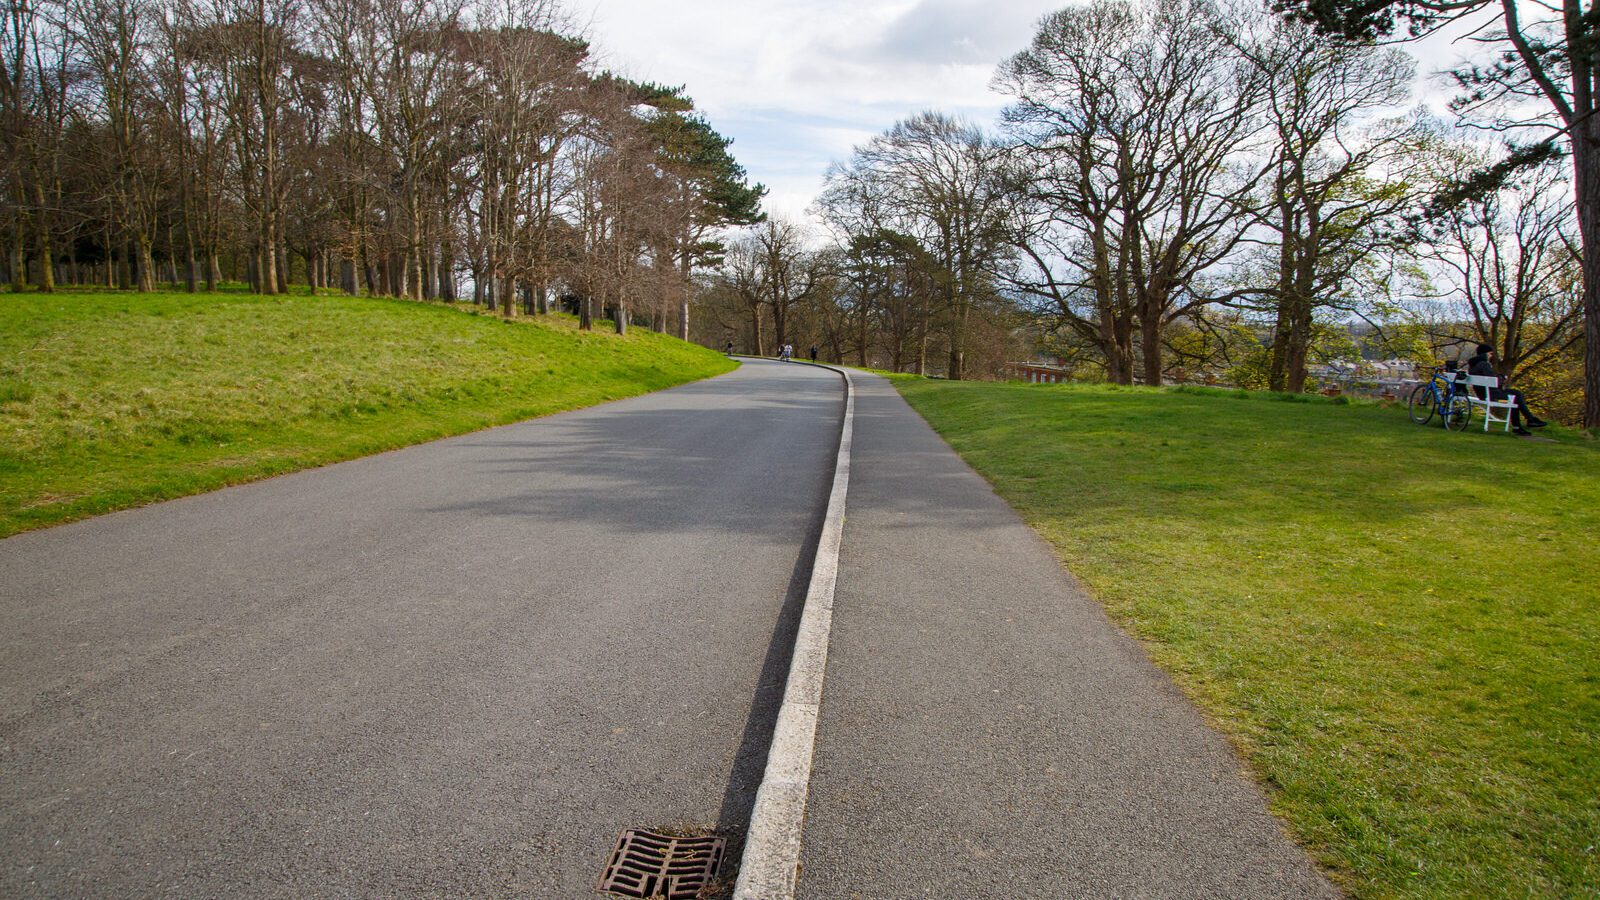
(109, 400)
(1398, 626)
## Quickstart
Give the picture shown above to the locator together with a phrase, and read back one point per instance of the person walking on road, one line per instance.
(786, 353)
(729, 349)
(813, 353)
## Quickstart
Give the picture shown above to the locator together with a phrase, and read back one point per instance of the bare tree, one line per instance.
(772, 271)
(939, 182)
(1505, 267)
(1136, 125)
(378, 145)
(36, 109)
(1337, 182)
(112, 35)
(1549, 62)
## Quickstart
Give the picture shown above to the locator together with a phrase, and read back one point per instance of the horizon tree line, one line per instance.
(373, 146)
(1175, 187)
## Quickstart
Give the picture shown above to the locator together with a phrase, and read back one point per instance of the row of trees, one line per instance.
(1174, 186)
(387, 146)
(1177, 186)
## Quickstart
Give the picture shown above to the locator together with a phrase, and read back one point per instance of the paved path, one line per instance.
(986, 732)
(460, 668)
(453, 670)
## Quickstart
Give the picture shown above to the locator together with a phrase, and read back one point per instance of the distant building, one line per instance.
(1040, 373)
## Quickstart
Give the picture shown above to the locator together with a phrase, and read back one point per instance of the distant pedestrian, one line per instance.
(1482, 364)
(813, 352)
(786, 353)
(729, 349)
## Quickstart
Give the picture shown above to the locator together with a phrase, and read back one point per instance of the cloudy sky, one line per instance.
(798, 83)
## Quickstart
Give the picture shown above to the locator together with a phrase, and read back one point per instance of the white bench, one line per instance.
(1487, 385)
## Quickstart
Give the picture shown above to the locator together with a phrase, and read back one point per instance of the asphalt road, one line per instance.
(985, 731)
(456, 669)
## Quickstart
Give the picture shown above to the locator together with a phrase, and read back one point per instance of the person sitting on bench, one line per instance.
(1481, 365)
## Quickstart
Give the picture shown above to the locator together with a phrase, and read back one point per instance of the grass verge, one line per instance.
(110, 400)
(1398, 626)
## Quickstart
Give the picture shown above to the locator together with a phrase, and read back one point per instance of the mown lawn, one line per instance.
(1398, 626)
(109, 400)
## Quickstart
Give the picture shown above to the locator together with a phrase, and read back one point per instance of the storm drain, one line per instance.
(647, 864)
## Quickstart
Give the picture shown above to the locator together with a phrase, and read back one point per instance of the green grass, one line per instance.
(109, 400)
(1398, 626)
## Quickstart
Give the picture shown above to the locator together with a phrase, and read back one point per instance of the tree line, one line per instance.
(389, 147)
(1191, 186)
(1175, 187)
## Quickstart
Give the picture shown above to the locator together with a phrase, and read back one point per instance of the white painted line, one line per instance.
(771, 863)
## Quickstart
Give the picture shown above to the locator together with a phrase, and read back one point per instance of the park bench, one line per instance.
(1480, 393)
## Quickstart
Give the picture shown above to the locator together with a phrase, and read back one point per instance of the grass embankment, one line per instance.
(109, 400)
(1398, 626)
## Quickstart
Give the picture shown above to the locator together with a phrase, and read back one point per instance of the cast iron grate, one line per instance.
(646, 864)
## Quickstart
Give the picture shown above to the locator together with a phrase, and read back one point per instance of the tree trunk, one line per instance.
(958, 351)
(1150, 344)
(755, 331)
(133, 264)
(414, 253)
(1291, 344)
(111, 272)
(447, 273)
(922, 344)
(1278, 365)
(19, 239)
(1298, 350)
(861, 327)
(266, 258)
(1586, 165)
(686, 270)
(47, 254)
(47, 274)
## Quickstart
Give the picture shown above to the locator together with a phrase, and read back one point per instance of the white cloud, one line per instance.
(798, 83)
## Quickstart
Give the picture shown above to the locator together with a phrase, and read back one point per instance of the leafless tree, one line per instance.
(772, 271)
(1506, 267)
(939, 182)
(1337, 181)
(1136, 124)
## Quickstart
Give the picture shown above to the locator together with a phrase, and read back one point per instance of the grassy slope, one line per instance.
(1399, 626)
(109, 400)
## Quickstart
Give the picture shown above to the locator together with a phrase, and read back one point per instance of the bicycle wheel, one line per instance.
(1421, 405)
(1459, 415)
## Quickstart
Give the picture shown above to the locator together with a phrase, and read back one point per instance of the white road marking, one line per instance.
(770, 866)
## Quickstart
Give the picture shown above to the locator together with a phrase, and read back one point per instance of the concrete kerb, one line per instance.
(770, 866)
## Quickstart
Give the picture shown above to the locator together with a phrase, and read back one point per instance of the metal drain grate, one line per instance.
(646, 864)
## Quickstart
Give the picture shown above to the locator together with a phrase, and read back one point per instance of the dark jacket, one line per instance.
(1480, 365)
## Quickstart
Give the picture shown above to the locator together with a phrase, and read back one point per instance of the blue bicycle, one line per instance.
(1443, 395)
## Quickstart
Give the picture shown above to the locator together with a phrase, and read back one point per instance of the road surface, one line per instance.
(986, 732)
(455, 669)
(461, 668)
